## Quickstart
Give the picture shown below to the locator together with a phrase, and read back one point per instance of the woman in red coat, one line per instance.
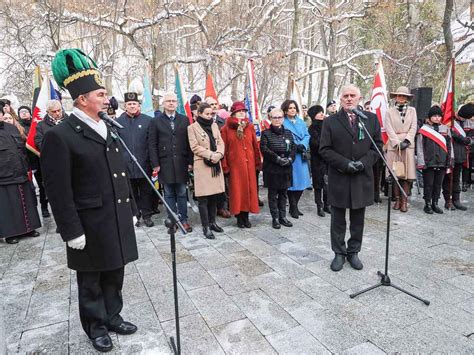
(241, 160)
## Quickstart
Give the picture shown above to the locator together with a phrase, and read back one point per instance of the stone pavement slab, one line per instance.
(260, 290)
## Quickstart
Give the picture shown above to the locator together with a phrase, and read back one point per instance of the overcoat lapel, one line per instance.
(87, 132)
(343, 119)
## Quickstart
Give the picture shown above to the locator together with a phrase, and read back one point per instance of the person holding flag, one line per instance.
(452, 184)
(400, 127)
(433, 148)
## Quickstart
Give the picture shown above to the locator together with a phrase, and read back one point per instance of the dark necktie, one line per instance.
(352, 119)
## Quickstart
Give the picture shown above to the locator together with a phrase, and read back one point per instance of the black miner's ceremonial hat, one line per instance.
(131, 96)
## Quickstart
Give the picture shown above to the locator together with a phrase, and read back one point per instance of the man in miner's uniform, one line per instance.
(92, 203)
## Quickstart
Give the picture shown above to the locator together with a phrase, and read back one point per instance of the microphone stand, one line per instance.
(171, 223)
(384, 278)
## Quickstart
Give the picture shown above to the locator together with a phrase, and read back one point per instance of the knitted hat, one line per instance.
(435, 110)
(314, 110)
(76, 72)
(24, 108)
(466, 111)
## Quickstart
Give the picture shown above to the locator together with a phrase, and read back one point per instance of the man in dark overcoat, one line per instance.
(350, 156)
(135, 135)
(171, 157)
(91, 199)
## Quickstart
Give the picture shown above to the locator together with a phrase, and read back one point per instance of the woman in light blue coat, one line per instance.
(301, 179)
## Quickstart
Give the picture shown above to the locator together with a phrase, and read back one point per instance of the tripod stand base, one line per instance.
(385, 281)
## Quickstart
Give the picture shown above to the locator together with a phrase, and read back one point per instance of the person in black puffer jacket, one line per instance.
(278, 150)
(319, 168)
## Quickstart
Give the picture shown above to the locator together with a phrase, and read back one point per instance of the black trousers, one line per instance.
(377, 169)
(100, 300)
(277, 202)
(456, 176)
(294, 198)
(143, 196)
(223, 198)
(208, 209)
(39, 181)
(432, 181)
(338, 230)
(321, 196)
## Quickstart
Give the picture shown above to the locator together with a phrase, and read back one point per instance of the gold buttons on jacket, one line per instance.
(116, 149)
(108, 148)
(115, 175)
(127, 200)
(119, 201)
(123, 174)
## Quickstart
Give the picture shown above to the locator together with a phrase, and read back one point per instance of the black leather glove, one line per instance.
(351, 167)
(404, 145)
(359, 165)
(354, 167)
(281, 161)
(300, 148)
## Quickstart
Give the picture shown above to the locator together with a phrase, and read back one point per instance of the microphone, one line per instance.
(103, 116)
(359, 113)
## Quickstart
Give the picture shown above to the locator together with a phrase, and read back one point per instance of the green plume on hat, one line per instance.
(68, 62)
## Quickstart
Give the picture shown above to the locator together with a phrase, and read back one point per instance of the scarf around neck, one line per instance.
(206, 125)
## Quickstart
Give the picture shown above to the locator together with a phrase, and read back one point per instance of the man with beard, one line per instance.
(135, 135)
(350, 155)
(91, 199)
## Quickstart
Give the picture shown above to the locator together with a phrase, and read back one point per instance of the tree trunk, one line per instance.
(416, 78)
(448, 36)
(294, 44)
(332, 42)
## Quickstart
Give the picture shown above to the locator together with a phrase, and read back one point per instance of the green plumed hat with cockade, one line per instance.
(76, 72)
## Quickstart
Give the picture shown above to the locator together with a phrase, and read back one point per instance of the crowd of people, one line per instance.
(216, 160)
(98, 194)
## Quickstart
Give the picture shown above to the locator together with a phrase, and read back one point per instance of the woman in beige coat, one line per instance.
(401, 125)
(208, 148)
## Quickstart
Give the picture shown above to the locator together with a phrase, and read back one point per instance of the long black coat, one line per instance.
(275, 144)
(339, 145)
(41, 128)
(135, 136)
(169, 149)
(319, 167)
(460, 146)
(89, 191)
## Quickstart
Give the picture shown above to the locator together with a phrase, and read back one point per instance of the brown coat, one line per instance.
(397, 132)
(204, 183)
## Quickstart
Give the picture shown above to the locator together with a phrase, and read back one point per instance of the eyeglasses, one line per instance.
(171, 100)
(277, 117)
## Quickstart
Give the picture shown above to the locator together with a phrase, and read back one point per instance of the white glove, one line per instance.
(77, 243)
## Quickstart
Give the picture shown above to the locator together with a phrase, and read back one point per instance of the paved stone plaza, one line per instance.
(260, 290)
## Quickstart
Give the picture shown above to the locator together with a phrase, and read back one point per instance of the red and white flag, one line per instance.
(447, 100)
(39, 111)
(378, 99)
(210, 89)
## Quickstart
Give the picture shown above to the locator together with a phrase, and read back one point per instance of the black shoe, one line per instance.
(33, 234)
(457, 204)
(284, 222)
(338, 262)
(260, 202)
(464, 187)
(321, 212)
(148, 222)
(377, 199)
(435, 208)
(208, 233)
(138, 222)
(275, 223)
(125, 328)
(214, 227)
(355, 262)
(247, 223)
(294, 213)
(103, 343)
(240, 222)
(44, 212)
(299, 212)
(12, 240)
(327, 209)
(427, 208)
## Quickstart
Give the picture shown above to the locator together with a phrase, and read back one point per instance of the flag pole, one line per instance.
(451, 176)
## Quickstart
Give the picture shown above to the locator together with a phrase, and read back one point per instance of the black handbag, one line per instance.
(306, 155)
